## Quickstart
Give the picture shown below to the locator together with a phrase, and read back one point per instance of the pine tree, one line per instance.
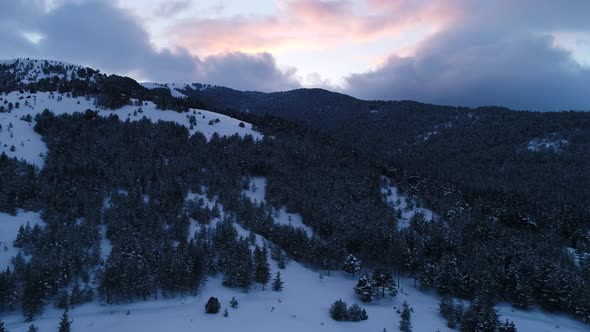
(339, 310)
(65, 322)
(62, 300)
(77, 295)
(277, 254)
(447, 310)
(2, 328)
(352, 264)
(507, 326)
(405, 324)
(364, 315)
(33, 328)
(234, 303)
(212, 306)
(365, 289)
(225, 313)
(480, 316)
(383, 282)
(261, 266)
(355, 313)
(277, 283)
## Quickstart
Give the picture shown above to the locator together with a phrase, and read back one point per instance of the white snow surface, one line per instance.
(9, 226)
(397, 200)
(173, 87)
(257, 192)
(29, 146)
(554, 145)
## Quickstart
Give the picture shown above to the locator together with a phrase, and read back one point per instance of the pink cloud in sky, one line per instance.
(308, 25)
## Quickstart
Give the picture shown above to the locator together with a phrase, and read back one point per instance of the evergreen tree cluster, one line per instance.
(479, 316)
(380, 284)
(340, 311)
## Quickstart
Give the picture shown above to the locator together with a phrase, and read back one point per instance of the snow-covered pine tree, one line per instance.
(62, 300)
(77, 295)
(355, 313)
(507, 326)
(405, 324)
(383, 282)
(365, 288)
(480, 316)
(339, 310)
(445, 308)
(33, 328)
(65, 323)
(261, 266)
(352, 264)
(233, 302)
(277, 283)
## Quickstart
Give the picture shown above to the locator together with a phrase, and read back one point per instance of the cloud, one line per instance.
(101, 35)
(172, 8)
(247, 72)
(301, 25)
(482, 60)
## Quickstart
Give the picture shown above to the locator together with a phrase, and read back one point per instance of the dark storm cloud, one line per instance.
(236, 70)
(497, 53)
(99, 34)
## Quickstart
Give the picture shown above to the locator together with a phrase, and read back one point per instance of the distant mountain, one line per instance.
(537, 163)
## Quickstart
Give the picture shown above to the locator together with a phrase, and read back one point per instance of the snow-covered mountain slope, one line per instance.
(173, 87)
(33, 70)
(18, 138)
(303, 304)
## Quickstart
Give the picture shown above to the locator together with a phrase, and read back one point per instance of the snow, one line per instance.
(578, 257)
(554, 145)
(257, 189)
(9, 226)
(105, 243)
(397, 200)
(257, 192)
(31, 70)
(281, 216)
(29, 146)
(173, 87)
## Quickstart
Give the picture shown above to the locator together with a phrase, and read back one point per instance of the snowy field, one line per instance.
(173, 87)
(28, 145)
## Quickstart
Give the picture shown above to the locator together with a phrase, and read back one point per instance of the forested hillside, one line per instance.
(135, 209)
(526, 169)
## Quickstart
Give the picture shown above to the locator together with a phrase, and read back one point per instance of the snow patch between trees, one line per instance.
(409, 207)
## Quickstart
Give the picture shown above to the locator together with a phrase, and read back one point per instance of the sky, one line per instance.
(522, 54)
